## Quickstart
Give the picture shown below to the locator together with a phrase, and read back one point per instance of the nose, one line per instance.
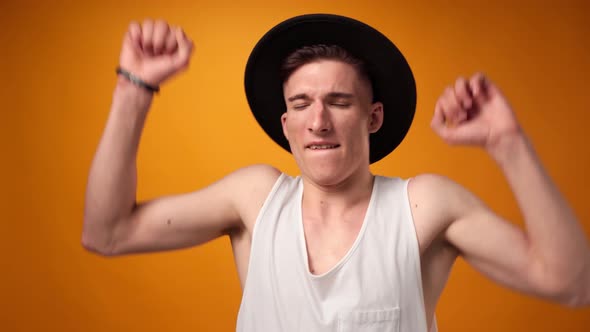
(319, 119)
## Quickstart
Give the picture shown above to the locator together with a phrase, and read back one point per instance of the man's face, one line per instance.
(328, 120)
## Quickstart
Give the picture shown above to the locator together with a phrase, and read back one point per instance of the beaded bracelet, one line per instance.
(137, 81)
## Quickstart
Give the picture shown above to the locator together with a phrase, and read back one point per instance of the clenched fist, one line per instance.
(155, 51)
(474, 112)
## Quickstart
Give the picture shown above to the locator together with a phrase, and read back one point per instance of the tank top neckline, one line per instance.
(355, 244)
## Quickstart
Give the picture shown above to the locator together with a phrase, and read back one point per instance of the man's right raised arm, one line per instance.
(114, 222)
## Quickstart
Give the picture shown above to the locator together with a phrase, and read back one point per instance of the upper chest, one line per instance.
(328, 242)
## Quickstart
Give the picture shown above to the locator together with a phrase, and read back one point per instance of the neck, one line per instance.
(335, 200)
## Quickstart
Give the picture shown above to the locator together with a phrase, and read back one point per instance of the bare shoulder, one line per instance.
(433, 199)
(256, 173)
(252, 181)
(440, 192)
(251, 186)
(431, 191)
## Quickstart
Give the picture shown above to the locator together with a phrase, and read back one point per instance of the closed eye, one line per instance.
(300, 106)
(341, 105)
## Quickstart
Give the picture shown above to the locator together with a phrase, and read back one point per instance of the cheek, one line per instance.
(295, 125)
(293, 130)
(357, 133)
(356, 126)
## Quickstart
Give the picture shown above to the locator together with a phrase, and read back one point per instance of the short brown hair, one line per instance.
(308, 54)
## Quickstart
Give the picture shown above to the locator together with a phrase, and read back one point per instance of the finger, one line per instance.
(439, 124)
(134, 35)
(463, 93)
(438, 118)
(160, 34)
(453, 112)
(147, 31)
(185, 47)
(170, 45)
(478, 85)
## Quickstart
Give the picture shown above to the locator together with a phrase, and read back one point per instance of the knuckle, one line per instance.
(148, 23)
(133, 26)
(460, 83)
(449, 91)
(160, 22)
(440, 108)
(478, 76)
(161, 26)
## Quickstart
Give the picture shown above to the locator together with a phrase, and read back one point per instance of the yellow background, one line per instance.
(57, 69)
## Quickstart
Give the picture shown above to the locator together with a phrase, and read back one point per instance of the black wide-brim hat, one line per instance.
(390, 74)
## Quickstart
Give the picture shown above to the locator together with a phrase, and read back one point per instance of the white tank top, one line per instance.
(376, 286)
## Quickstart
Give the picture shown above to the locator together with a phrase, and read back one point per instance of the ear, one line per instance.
(284, 124)
(375, 117)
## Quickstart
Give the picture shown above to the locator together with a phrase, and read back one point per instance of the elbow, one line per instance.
(573, 292)
(96, 244)
(580, 296)
(577, 298)
(92, 247)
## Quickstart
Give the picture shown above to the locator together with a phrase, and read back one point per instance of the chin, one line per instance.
(325, 179)
(327, 174)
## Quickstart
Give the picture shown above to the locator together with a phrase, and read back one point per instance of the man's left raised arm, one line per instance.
(553, 248)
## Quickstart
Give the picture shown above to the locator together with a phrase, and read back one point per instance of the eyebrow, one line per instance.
(332, 95)
(299, 96)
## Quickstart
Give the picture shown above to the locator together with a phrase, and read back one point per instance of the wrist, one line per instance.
(508, 147)
(129, 94)
(136, 80)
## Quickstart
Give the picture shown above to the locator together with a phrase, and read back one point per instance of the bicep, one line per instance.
(496, 247)
(174, 222)
(493, 246)
(181, 221)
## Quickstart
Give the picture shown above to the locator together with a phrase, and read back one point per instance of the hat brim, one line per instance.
(390, 73)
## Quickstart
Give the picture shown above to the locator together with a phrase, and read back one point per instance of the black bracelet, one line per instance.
(137, 81)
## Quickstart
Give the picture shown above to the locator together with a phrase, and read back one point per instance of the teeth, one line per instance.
(320, 147)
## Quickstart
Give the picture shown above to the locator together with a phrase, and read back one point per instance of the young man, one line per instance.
(337, 248)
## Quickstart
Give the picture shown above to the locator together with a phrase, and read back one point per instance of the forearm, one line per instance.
(111, 188)
(555, 237)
